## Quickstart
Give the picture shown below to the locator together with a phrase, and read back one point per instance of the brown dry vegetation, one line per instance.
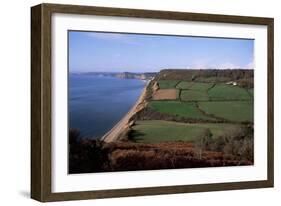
(165, 94)
(96, 156)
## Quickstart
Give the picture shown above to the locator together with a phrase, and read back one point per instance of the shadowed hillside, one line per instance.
(199, 74)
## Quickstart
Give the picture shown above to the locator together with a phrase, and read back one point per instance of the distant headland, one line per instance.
(123, 75)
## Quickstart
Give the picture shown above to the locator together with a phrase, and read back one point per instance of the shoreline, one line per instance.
(114, 133)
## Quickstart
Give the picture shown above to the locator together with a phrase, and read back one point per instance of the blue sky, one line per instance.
(117, 52)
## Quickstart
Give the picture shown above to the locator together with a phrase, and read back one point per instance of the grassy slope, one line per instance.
(228, 92)
(184, 109)
(155, 131)
(184, 85)
(201, 86)
(194, 95)
(231, 110)
(167, 84)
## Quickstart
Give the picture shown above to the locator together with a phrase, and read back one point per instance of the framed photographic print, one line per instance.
(130, 102)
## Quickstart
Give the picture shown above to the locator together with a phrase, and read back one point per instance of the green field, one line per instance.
(238, 111)
(184, 85)
(251, 91)
(201, 86)
(194, 95)
(167, 84)
(228, 92)
(184, 109)
(155, 131)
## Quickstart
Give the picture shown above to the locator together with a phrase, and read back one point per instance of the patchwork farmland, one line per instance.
(182, 107)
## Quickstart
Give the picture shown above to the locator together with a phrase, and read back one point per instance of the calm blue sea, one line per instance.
(97, 103)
